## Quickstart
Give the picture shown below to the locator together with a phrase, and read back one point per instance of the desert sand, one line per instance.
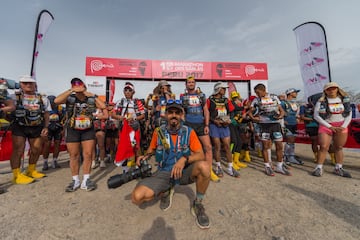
(254, 206)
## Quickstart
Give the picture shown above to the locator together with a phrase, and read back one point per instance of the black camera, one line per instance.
(134, 173)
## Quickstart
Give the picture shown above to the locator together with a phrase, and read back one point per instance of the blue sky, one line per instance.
(228, 30)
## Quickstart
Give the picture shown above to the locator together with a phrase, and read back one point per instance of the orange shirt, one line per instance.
(194, 142)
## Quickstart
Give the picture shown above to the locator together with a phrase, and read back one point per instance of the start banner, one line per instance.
(175, 69)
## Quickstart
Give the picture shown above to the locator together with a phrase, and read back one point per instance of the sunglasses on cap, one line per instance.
(77, 83)
(171, 101)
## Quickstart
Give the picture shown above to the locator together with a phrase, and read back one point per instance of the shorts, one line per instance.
(160, 181)
(312, 131)
(219, 132)
(323, 129)
(271, 131)
(198, 128)
(26, 131)
(54, 134)
(72, 135)
(112, 133)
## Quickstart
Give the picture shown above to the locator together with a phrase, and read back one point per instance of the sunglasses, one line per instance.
(171, 101)
(128, 90)
(77, 83)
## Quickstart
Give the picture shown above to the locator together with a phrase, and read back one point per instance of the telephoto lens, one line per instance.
(134, 173)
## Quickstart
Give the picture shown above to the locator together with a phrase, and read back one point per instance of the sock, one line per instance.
(267, 164)
(338, 166)
(76, 178)
(319, 166)
(86, 177)
(125, 169)
(199, 197)
(279, 164)
(230, 165)
(218, 164)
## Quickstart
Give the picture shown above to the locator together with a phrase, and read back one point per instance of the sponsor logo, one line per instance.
(314, 62)
(312, 47)
(96, 84)
(251, 70)
(317, 78)
(97, 65)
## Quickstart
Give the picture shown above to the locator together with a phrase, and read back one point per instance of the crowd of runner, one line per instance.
(124, 132)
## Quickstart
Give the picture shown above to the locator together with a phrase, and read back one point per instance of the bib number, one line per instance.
(82, 123)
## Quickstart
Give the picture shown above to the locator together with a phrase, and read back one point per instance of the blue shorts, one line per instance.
(219, 132)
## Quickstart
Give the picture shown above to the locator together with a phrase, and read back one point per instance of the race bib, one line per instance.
(82, 122)
(54, 117)
(336, 108)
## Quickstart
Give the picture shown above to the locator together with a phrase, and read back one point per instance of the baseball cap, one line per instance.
(129, 85)
(76, 81)
(234, 94)
(171, 103)
(26, 78)
(291, 90)
(218, 86)
(331, 84)
(163, 83)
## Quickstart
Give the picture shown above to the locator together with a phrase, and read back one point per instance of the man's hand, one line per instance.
(176, 171)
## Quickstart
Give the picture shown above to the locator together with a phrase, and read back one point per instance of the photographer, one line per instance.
(180, 160)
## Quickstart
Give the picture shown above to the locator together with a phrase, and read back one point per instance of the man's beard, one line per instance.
(173, 125)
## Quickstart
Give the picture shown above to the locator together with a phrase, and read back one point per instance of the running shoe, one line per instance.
(198, 211)
(95, 164)
(166, 199)
(73, 186)
(45, 166)
(102, 164)
(55, 164)
(283, 170)
(269, 171)
(219, 172)
(232, 172)
(317, 172)
(342, 173)
(293, 160)
(88, 185)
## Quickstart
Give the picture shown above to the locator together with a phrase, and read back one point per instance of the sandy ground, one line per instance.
(252, 207)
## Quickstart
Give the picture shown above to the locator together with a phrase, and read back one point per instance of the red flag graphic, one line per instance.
(125, 149)
(112, 90)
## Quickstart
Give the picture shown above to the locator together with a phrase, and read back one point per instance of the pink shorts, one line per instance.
(323, 129)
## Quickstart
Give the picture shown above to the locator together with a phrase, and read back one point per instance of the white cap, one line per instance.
(27, 79)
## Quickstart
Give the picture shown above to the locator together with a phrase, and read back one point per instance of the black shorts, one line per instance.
(160, 181)
(112, 133)
(54, 134)
(271, 131)
(312, 131)
(72, 135)
(198, 128)
(26, 131)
